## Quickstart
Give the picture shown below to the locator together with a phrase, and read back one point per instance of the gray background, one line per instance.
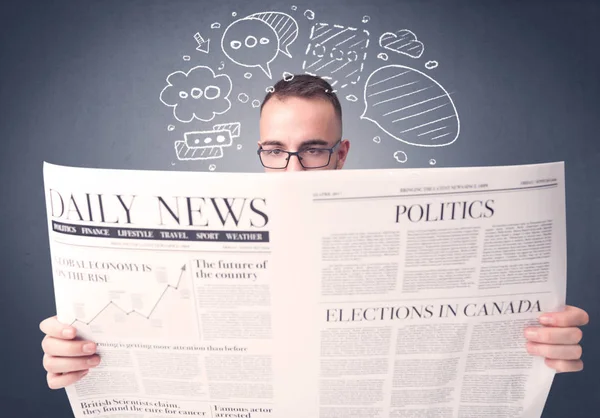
(80, 84)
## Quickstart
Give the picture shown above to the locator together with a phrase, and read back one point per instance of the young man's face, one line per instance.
(298, 124)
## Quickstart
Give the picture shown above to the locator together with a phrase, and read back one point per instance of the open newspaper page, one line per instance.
(409, 290)
(170, 274)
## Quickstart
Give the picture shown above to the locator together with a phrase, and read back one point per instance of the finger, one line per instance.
(550, 335)
(66, 348)
(51, 326)
(556, 352)
(565, 366)
(66, 365)
(58, 381)
(570, 317)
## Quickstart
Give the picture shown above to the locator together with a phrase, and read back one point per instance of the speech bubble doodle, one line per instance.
(403, 42)
(284, 25)
(207, 145)
(411, 107)
(400, 156)
(197, 94)
(338, 51)
(430, 65)
(251, 42)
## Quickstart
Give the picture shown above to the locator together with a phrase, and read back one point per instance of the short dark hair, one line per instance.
(306, 86)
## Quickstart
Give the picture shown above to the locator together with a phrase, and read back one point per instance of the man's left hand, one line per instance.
(558, 339)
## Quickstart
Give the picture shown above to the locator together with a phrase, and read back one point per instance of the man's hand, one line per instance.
(558, 340)
(66, 359)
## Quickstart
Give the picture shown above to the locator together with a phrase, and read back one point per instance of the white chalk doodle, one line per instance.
(197, 94)
(403, 42)
(234, 14)
(294, 8)
(411, 107)
(336, 51)
(207, 145)
(430, 65)
(270, 89)
(284, 25)
(243, 97)
(215, 25)
(366, 19)
(170, 128)
(255, 103)
(288, 76)
(377, 139)
(382, 56)
(309, 14)
(400, 156)
(187, 58)
(264, 35)
(432, 162)
(248, 76)
(221, 66)
(212, 167)
(203, 44)
(351, 98)
(239, 146)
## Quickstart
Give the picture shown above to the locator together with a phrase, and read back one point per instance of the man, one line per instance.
(301, 129)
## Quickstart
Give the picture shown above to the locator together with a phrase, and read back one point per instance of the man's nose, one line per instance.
(294, 164)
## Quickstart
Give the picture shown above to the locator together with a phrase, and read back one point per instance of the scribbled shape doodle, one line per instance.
(197, 94)
(207, 145)
(403, 42)
(336, 51)
(411, 107)
(430, 65)
(256, 40)
(400, 156)
(287, 76)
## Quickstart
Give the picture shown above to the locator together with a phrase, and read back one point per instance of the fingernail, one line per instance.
(546, 320)
(531, 333)
(68, 333)
(93, 361)
(88, 348)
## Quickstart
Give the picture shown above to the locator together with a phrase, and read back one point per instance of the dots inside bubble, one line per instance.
(432, 162)
(170, 128)
(377, 139)
(309, 14)
(186, 57)
(220, 138)
(365, 19)
(248, 76)
(264, 41)
(207, 140)
(196, 141)
(250, 41)
(235, 44)
(212, 167)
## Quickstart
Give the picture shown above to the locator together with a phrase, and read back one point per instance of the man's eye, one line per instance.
(314, 151)
(274, 152)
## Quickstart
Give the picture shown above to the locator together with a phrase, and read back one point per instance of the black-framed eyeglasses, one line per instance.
(310, 157)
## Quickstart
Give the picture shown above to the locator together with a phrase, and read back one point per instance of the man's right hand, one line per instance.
(66, 359)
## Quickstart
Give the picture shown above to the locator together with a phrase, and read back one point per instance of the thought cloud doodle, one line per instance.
(256, 40)
(207, 145)
(338, 52)
(411, 107)
(400, 156)
(403, 42)
(430, 65)
(197, 94)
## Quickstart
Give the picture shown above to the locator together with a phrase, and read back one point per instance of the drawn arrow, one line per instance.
(203, 45)
(134, 311)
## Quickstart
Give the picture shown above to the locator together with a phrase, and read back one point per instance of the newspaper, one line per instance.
(329, 294)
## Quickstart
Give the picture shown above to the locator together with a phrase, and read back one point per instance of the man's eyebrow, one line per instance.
(272, 142)
(310, 142)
